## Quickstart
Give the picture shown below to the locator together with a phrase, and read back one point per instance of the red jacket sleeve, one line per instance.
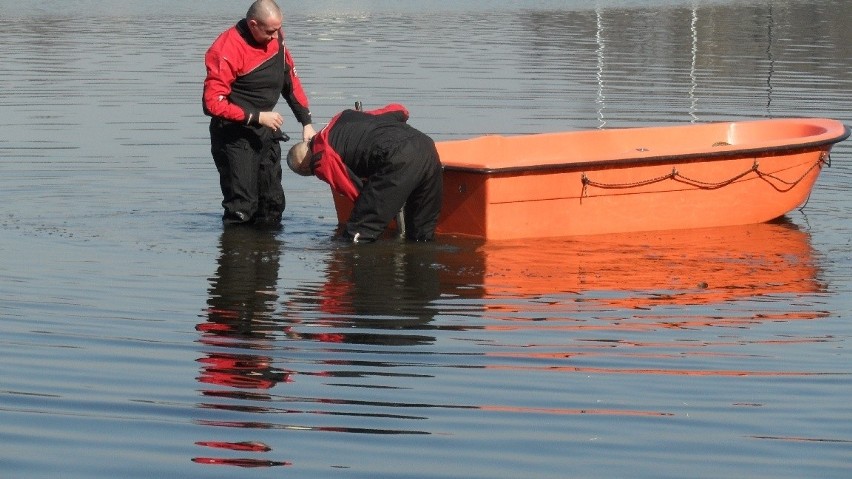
(221, 74)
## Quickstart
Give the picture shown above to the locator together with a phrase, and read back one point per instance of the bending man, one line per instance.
(248, 70)
(399, 165)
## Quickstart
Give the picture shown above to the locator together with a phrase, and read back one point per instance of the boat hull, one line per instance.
(625, 180)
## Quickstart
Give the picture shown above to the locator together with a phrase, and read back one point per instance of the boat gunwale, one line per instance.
(655, 160)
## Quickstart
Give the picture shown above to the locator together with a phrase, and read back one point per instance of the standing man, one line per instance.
(400, 164)
(248, 70)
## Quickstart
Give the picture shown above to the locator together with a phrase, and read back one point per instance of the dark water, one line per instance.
(139, 339)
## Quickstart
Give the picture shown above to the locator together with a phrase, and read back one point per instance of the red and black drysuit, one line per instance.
(399, 163)
(243, 79)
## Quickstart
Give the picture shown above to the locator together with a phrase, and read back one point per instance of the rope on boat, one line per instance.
(825, 158)
(779, 184)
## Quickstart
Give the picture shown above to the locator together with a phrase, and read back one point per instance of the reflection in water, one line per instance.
(595, 298)
(373, 294)
(236, 333)
(698, 266)
(372, 297)
(693, 80)
(599, 72)
(605, 68)
(612, 290)
(242, 298)
(393, 281)
(770, 21)
(369, 315)
(369, 328)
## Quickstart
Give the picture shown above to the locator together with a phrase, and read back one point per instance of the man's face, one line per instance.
(266, 30)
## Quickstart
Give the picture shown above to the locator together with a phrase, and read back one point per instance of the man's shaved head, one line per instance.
(261, 10)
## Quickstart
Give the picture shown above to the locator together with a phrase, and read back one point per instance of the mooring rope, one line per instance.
(779, 184)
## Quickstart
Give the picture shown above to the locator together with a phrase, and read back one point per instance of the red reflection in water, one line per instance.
(241, 371)
(237, 446)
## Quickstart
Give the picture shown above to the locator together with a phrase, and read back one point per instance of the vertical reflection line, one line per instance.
(692, 74)
(599, 74)
(770, 58)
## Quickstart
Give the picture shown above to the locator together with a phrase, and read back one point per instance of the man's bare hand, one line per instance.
(270, 119)
(308, 132)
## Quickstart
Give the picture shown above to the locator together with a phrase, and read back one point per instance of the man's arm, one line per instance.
(217, 88)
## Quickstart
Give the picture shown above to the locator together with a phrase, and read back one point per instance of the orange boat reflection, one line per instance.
(696, 266)
(607, 302)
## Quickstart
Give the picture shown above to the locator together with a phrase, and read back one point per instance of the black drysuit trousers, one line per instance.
(249, 163)
(408, 173)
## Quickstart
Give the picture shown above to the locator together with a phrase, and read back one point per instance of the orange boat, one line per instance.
(630, 179)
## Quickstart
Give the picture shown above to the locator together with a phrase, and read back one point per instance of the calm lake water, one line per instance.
(139, 339)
